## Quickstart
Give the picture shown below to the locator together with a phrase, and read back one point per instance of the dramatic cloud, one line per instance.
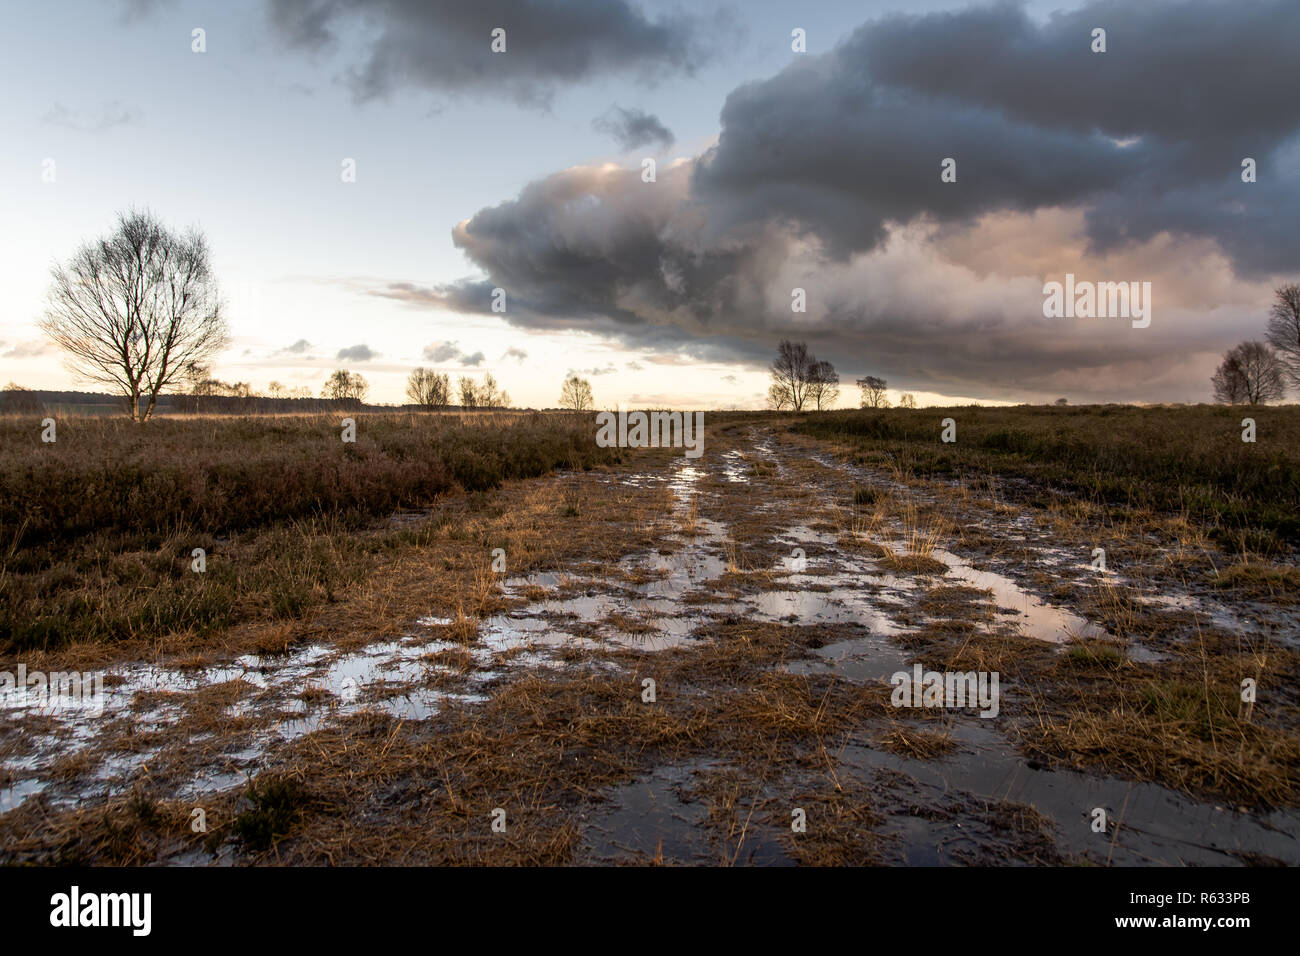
(633, 128)
(444, 45)
(1197, 85)
(98, 120)
(357, 353)
(475, 360)
(1116, 166)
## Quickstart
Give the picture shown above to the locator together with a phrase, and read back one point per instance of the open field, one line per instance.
(398, 642)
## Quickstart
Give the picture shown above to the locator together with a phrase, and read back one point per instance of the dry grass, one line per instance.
(922, 744)
(1187, 461)
(97, 530)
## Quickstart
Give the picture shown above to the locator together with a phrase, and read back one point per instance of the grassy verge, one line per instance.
(1188, 460)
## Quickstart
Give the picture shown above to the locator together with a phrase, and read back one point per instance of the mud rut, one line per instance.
(762, 529)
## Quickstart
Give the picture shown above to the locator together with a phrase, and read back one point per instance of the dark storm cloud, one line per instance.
(826, 176)
(633, 128)
(444, 45)
(845, 143)
(820, 148)
(1203, 84)
(1200, 72)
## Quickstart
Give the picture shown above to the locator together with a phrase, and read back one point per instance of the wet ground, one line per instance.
(761, 530)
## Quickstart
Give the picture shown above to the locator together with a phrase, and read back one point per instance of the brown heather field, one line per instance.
(97, 528)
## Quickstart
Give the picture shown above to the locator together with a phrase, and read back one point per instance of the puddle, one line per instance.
(735, 467)
(648, 820)
(315, 686)
(15, 793)
(859, 660)
(375, 678)
(651, 820)
(1023, 527)
(1033, 616)
(1158, 825)
(1219, 616)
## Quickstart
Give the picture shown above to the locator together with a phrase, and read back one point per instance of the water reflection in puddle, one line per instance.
(1033, 616)
(1158, 826)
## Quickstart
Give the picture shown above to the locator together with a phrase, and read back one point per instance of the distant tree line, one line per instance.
(801, 381)
(429, 389)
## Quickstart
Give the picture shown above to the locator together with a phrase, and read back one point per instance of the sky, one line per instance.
(776, 169)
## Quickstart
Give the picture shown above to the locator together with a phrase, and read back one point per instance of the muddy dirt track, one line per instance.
(689, 661)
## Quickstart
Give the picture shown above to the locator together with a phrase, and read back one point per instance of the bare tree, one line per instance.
(791, 370)
(576, 394)
(136, 308)
(779, 397)
(489, 395)
(1284, 331)
(907, 400)
(823, 385)
(1249, 374)
(345, 384)
(873, 392)
(1229, 382)
(468, 392)
(428, 388)
(275, 390)
(197, 378)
